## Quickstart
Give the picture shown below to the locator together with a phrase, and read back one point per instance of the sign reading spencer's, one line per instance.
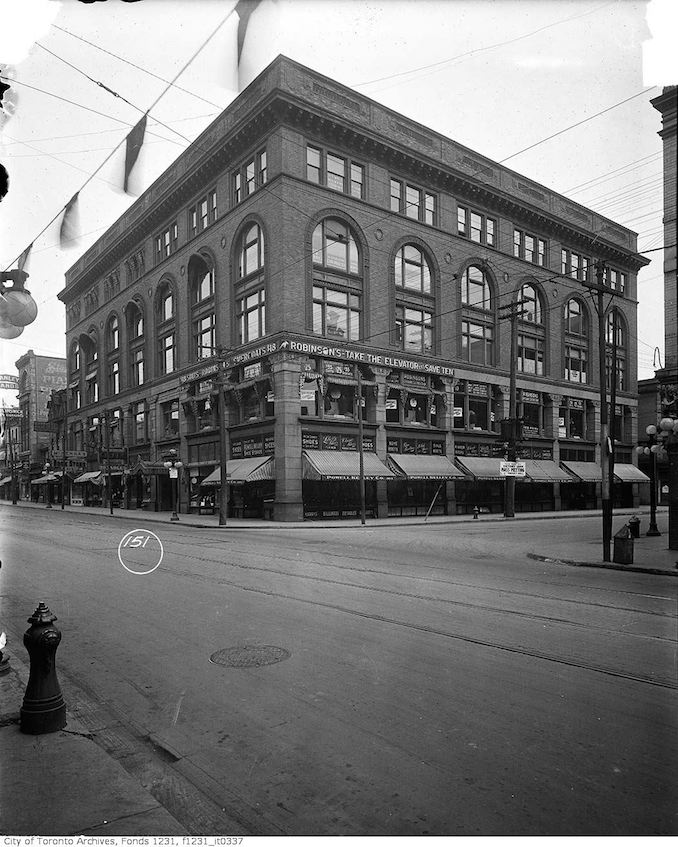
(343, 352)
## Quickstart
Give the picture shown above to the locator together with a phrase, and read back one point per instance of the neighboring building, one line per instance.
(658, 397)
(333, 247)
(38, 377)
(10, 438)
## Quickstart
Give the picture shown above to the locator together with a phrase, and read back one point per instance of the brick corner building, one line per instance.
(345, 261)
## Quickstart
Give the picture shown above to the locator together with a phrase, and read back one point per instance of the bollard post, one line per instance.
(43, 708)
(476, 512)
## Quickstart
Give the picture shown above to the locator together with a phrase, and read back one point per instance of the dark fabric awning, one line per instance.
(480, 467)
(629, 473)
(415, 466)
(240, 471)
(545, 471)
(584, 471)
(343, 464)
(90, 476)
(5, 480)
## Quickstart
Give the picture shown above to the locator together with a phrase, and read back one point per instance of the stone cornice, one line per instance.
(398, 143)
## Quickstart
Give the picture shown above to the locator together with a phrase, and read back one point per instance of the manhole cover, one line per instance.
(249, 656)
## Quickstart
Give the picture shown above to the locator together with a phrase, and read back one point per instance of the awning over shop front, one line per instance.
(342, 464)
(90, 476)
(480, 468)
(629, 473)
(5, 480)
(423, 467)
(50, 477)
(584, 471)
(240, 471)
(545, 471)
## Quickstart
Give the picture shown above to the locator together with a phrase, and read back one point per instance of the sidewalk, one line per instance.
(650, 555)
(62, 783)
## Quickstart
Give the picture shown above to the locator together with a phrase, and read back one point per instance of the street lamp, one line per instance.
(47, 470)
(651, 451)
(173, 464)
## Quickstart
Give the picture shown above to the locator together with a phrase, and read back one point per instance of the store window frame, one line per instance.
(530, 247)
(202, 284)
(335, 171)
(470, 221)
(576, 334)
(413, 202)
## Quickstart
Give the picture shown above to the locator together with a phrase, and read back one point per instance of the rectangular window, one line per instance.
(530, 248)
(251, 316)
(430, 213)
(462, 221)
(530, 355)
(170, 419)
(396, 195)
(167, 354)
(336, 314)
(574, 265)
(166, 243)
(414, 202)
(139, 423)
(335, 171)
(203, 213)
(251, 175)
(477, 343)
(414, 329)
(576, 364)
(313, 157)
(616, 280)
(204, 337)
(114, 378)
(138, 367)
(357, 178)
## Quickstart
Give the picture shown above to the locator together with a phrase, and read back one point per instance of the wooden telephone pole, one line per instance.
(512, 312)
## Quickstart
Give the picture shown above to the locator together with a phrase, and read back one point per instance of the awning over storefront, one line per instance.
(50, 477)
(5, 480)
(90, 476)
(629, 473)
(545, 471)
(343, 464)
(240, 471)
(423, 467)
(480, 468)
(584, 471)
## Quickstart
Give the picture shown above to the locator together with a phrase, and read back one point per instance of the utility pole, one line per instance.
(512, 311)
(223, 440)
(613, 409)
(107, 447)
(605, 444)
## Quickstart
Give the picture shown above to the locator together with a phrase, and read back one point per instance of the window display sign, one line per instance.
(477, 389)
(349, 442)
(310, 441)
(330, 442)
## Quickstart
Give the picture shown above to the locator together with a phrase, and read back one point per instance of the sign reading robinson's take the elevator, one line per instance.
(346, 352)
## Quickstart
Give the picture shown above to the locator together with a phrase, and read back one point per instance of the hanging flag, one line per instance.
(68, 232)
(244, 8)
(23, 258)
(134, 141)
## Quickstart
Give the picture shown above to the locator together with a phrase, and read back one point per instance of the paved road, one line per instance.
(437, 682)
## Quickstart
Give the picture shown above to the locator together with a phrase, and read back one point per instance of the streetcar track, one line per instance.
(457, 636)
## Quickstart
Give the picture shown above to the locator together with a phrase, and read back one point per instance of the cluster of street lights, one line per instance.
(173, 465)
(661, 439)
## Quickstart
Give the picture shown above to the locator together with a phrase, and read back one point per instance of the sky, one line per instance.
(498, 76)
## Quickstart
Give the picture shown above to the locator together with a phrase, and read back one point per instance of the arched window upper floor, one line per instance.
(616, 353)
(135, 322)
(165, 306)
(201, 290)
(74, 359)
(250, 282)
(531, 341)
(478, 315)
(414, 319)
(576, 323)
(338, 297)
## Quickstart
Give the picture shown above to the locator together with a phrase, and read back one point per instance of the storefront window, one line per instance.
(473, 406)
(572, 419)
(339, 401)
(531, 411)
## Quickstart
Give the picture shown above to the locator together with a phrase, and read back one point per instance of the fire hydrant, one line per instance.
(43, 709)
(634, 526)
(476, 512)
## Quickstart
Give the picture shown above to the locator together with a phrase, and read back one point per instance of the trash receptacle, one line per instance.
(623, 547)
(634, 526)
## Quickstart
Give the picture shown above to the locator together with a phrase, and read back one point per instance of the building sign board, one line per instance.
(512, 468)
(9, 382)
(341, 352)
(45, 426)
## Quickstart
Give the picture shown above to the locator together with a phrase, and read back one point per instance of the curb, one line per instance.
(606, 565)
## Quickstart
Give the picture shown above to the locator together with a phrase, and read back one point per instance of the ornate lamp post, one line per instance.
(173, 464)
(652, 451)
(47, 470)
